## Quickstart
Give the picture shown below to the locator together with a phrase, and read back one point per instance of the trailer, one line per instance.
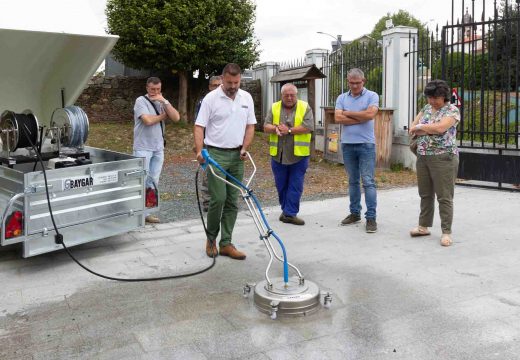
(93, 193)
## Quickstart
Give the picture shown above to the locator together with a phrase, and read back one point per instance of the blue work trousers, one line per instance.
(289, 183)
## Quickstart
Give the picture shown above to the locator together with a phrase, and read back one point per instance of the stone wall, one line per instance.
(112, 98)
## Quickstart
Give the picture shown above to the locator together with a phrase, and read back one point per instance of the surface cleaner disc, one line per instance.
(293, 299)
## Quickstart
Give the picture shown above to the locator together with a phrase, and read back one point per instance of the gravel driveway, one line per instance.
(178, 198)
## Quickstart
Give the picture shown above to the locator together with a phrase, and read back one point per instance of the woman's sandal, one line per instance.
(446, 240)
(419, 231)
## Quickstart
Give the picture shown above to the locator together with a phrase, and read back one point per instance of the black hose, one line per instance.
(39, 146)
(59, 237)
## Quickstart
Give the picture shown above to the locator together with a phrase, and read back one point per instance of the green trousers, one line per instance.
(223, 209)
(436, 175)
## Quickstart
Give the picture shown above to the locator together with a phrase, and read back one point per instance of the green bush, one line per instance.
(375, 79)
(474, 67)
(484, 120)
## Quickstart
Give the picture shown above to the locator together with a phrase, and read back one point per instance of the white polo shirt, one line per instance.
(225, 119)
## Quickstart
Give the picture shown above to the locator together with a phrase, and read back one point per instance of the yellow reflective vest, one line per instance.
(302, 142)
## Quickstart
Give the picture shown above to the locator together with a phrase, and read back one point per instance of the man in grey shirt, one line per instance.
(150, 112)
(289, 123)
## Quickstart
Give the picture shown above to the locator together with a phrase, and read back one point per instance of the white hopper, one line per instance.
(47, 47)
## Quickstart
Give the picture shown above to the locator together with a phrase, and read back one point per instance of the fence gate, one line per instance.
(480, 61)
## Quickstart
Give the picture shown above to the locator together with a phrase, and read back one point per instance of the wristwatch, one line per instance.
(166, 102)
(289, 131)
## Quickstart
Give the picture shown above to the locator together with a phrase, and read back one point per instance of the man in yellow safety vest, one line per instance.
(289, 123)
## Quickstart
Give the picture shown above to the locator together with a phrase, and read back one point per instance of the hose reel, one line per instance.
(71, 125)
(12, 126)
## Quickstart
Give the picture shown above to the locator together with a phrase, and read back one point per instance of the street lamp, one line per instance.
(339, 44)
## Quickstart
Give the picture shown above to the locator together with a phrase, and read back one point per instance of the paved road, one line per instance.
(394, 297)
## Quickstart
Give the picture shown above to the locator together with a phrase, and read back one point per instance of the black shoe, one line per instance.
(351, 219)
(371, 226)
(295, 220)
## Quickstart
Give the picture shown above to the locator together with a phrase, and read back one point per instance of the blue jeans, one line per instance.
(153, 162)
(360, 162)
(289, 183)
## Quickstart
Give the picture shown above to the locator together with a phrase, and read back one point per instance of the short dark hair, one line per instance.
(232, 69)
(153, 80)
(436, 88)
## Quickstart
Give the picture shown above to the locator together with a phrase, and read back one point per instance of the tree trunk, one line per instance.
(183, 95)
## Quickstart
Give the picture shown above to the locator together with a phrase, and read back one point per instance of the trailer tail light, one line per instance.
(14, 225)
(151, 198)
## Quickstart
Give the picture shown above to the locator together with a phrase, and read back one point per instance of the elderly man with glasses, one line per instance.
(289, 123)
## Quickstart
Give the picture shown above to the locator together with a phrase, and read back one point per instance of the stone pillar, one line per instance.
(399, 87)
(264, 72)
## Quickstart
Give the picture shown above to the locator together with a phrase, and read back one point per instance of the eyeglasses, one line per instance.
(355, 83)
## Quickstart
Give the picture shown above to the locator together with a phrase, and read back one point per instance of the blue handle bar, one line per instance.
(205, 155)
(209, 160)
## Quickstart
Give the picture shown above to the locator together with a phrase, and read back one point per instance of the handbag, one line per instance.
(413, 144)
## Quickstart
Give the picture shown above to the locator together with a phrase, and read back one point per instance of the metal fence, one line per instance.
(294, 63)
(485, 72)
(426, 53)
(365, 55)
(480, 60)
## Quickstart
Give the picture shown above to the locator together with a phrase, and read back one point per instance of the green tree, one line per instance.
(467, 69)
(503, 46)
(375, 79)
(183, 36)
(403, 18)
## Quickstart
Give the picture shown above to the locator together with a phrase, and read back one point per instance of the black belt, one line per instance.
(224, 149)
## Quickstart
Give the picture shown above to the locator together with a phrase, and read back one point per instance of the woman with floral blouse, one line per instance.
(437, 158)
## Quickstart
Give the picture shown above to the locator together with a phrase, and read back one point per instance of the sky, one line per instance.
(288, 28)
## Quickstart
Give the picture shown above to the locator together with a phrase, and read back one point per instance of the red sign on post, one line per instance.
(455, 99)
